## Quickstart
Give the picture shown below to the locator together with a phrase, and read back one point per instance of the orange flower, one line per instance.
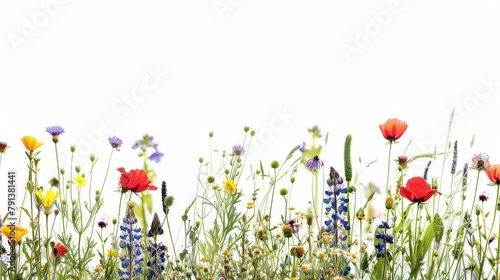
(393, 129)
(30, 143)
(493, 173)
(14, 233)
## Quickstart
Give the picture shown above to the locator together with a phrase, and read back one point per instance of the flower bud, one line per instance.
(389, 203)
(275, 164)
(287, 230)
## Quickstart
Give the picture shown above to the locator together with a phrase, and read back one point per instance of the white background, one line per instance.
(279, 67)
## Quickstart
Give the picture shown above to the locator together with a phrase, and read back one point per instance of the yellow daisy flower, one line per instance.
(80, 181)
(48, 199)
(229, 186)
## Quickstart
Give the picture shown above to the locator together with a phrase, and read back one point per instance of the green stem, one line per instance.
(117, 225)
(387, 191)
(415, 237)
(107, 169)
(171, 238)
(475, 194)
(47, 240)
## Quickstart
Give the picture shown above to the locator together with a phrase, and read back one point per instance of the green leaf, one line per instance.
(438, 228)
(426, 241)
(147, 199)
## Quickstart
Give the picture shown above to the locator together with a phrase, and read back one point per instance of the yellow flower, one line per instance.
(30, 143)
(112, 253)
(230, 186)
(14, 232)
(48, 199)
(80, 181)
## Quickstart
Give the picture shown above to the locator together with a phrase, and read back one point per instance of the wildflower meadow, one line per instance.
(109, 219)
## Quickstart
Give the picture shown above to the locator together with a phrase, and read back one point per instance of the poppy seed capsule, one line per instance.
(275, 164)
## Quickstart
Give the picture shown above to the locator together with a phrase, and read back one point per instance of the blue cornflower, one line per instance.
(115, 142)
(314, 163)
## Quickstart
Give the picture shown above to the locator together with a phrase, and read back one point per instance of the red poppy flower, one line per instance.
(493, 173)
(417, 190)
(136, 180)
(61, 250)
(393, 129)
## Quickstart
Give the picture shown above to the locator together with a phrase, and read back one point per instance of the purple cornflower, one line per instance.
(238, 150)
(115, 142)
(484, 196)
(314, 163)
(480, 161)
(102, 223)
(55, 131)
